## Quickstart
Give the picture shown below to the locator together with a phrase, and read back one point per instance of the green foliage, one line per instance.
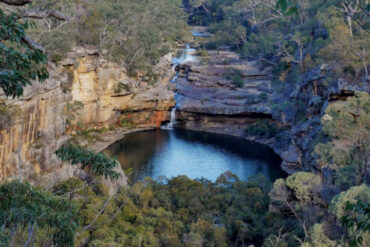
(318, 238)
(133, 33)
(235, 76)
(112, 127)
(263, 128)
(237, 81)
(300, 33)
(299, 195)
(258, 44)
(185, 212)
(287, 7)
(20, 64)
(23, 208)
(347, 125)
(262, 97)
(303, 184)
(73, 112)
(98, 163)
(120, 87)
(202, 53)
(126, 123)
(87, 135)
(352, 209)
(177, 212)
(9, 110)
(357, 221)
(354, 194)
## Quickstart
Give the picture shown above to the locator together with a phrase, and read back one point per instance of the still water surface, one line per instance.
(176, 152)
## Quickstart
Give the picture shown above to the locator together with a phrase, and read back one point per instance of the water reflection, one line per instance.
(195, 154)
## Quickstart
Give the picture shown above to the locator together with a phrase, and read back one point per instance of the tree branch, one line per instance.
(44, 14)
(32, 44)
(86, 228)
(16, 2)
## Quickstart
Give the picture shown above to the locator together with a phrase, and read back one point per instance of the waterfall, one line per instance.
(172, 120)
(186, 55)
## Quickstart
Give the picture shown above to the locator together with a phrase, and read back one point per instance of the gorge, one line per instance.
(178, 152)
(184, 123)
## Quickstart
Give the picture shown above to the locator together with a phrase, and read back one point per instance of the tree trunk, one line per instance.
(349, 20)
(365, 67)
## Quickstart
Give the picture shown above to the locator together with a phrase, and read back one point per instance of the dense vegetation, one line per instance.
(184, 212)
(294, 36)
(177, 212)
(134, 33)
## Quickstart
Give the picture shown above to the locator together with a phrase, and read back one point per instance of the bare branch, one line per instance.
(88, 227)
(267, 61)
(32, 44)
(16, 2)
(44, 14)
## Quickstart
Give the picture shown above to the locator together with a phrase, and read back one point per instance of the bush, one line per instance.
(126, 123)
(235, 76)
(237, 81)
(99, 163)
(262, 97)
(9, 110)
(262, 128)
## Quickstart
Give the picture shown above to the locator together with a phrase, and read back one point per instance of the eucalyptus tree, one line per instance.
(22, 60)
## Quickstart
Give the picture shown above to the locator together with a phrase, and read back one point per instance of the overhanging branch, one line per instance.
(16, 2)
(32, 44)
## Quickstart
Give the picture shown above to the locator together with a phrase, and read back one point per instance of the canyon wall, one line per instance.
(225, 94)
(83, 92)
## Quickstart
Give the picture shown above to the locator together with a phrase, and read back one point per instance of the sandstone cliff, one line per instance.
(35, 125)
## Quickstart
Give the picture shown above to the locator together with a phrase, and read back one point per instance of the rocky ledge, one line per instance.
(83, 92)
(225, 94)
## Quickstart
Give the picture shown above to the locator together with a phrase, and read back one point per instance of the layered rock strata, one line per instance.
(83, 92)
(225, 94)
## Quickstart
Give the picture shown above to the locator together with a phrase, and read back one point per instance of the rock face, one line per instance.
(108, 94)
(207, 89)
(224, 94)
(210, 99)
(29, 137)
(35, 125)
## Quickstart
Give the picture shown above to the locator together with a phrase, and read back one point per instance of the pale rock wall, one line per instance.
(109, 94)
(28, 140)
(40, 122)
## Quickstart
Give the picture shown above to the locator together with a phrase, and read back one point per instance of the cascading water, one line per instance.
(184, 56)
(172, 121)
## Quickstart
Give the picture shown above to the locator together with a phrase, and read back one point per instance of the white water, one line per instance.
(187, 55)
(172, 121)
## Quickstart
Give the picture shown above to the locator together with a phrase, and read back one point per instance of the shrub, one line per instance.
(9, 110)
(235, 76)
(263, 128)
(262, 97)
(126, 123)
(99, 163)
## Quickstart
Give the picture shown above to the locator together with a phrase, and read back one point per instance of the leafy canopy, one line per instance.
(20, 63)
(23, 206)
(99, 163)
